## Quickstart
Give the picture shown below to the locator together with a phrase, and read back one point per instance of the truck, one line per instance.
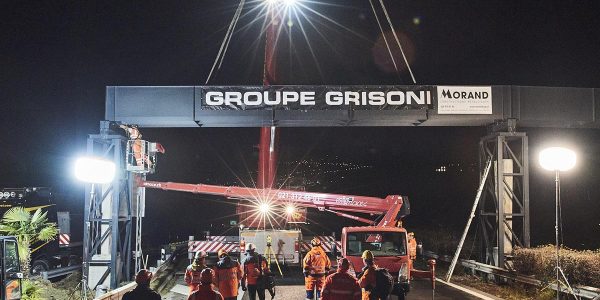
(386, 237)
(10, 273)
(58, 253)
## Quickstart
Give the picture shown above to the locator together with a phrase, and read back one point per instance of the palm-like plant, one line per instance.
(28, 229)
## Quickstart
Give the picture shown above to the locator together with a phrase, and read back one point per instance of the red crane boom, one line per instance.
(389, 206)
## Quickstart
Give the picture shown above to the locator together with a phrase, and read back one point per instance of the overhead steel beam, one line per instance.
(183, 106)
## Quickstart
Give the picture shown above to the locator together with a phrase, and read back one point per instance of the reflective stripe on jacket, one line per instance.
(316, 261)
(205, 292)
(341, 286)
(192, 276)
(251, 270)
(367, 282)
(227, 277)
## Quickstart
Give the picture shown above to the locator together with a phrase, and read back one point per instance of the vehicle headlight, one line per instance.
(403, 275)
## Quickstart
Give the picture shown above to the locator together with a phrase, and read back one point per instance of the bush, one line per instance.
(31, 291)
(580, 267)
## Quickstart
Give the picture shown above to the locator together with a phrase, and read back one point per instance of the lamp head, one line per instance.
(94, 170)
(264, 208)
(289, 210)
(557, 159)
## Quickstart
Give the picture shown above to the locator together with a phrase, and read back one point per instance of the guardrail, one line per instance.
(587, 292)
(59, 272)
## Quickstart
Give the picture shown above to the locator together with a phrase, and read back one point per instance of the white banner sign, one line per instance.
(464, 100)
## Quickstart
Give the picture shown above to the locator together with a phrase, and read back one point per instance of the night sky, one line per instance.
(56, 57)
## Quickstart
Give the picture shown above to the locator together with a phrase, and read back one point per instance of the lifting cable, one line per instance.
(383, 35)
(226, 40)
(412, 76)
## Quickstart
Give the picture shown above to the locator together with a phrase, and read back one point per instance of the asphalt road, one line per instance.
(293, 289)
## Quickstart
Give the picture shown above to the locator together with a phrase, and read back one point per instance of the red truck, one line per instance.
(386, 238)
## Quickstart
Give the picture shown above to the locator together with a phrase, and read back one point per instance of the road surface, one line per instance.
(292, 288)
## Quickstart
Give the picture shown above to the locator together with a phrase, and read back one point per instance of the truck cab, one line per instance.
(389, 246)
(10, 275)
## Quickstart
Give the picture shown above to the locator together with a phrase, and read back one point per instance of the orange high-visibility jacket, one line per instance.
(205, 292)
(192, 276)
(251, 270)
(341, 286)
(367, 282)
(316, 261)
(228, 274)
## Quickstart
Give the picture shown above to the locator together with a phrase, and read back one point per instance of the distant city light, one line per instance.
(557, 159)
(94, 170)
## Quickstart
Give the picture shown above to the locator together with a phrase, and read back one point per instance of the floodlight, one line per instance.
(286, 3)
(94, 170)
(289, 210)
(264, 208)
(289, 2)
(557, 159)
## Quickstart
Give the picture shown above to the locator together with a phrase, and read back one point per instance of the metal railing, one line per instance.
(587, 292)
(60, 272)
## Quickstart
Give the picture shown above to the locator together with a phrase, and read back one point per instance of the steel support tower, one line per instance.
(108, 216)
(504, 207)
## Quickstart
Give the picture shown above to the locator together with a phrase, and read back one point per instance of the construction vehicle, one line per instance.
(386, 238)
(10, 273)
(54, 254)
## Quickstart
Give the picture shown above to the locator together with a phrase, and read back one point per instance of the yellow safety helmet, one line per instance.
(367, 255)
(222, 253)
(200, 254)
(315, 242)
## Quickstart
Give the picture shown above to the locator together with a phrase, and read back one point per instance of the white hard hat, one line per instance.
(250, 247)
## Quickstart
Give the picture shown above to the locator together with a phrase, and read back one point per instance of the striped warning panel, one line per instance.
(64, 239)
(212, 246)
(326, 244)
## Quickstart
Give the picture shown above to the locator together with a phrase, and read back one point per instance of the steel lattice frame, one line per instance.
(503, 188)
(108, 231)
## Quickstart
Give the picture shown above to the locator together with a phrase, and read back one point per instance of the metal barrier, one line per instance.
(587, 292)
(581, 291)
(118, 293)
(60, 272)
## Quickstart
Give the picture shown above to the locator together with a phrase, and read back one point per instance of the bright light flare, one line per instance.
(94, 170)
(290, 210)
(264, 208)
(289, 2)
(286, 3)
(557, 159)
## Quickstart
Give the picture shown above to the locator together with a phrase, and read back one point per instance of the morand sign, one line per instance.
(467, 100)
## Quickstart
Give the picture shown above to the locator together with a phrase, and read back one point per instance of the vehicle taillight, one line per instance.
(297, 246)
(242, 246)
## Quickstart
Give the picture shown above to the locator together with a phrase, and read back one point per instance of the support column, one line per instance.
(504, 207)
(108, 216)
